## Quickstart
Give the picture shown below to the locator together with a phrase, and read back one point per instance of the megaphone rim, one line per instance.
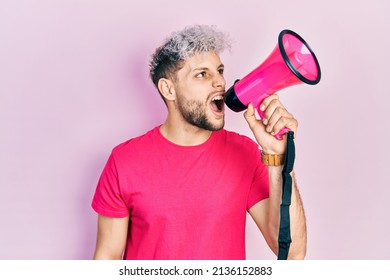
(288, 62)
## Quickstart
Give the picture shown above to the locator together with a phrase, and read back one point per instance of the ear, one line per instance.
(167, 89)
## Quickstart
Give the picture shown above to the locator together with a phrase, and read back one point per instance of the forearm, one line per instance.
(297, 216)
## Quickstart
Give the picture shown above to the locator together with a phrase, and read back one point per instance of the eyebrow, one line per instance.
(206, 68)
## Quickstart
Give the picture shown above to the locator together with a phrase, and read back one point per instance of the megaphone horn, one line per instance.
(291, 62)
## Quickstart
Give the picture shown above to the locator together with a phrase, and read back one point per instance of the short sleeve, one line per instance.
(259, 189)
(108, 200)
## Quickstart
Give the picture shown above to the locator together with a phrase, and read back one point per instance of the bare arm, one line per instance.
(266, 215)
(111, 238)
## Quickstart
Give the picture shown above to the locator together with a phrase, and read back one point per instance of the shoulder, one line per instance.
(236, 142)
(236, 138)
(239, 149)
(132, 145)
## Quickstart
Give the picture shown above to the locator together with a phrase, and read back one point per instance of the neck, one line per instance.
(182, 133)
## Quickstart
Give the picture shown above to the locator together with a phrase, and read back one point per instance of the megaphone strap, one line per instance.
(284, 238)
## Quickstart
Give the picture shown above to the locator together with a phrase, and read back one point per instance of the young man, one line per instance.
(182, 190)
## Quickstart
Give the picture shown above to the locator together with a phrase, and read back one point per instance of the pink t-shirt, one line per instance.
(184, 202)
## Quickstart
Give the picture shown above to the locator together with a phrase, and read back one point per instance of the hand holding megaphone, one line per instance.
(291, 62)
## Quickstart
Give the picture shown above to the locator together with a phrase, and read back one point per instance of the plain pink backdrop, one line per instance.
(74, 83)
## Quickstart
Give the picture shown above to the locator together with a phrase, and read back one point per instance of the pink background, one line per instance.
(74, 83)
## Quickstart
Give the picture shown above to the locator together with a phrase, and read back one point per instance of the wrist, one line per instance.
(274, 149)
(272, 159)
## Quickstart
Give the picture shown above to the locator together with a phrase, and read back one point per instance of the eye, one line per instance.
(201, 74)
(221, 70)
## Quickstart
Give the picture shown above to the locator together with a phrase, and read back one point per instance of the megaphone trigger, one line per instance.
(282, 132)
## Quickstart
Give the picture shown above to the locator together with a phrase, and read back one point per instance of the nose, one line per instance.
(219, 81)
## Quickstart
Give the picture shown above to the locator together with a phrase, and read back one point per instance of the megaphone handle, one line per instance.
(281, 132)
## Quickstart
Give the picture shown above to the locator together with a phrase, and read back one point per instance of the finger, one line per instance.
(264, 104)
(272, 105)
(274, 111)
(278, 112)
(285, 121)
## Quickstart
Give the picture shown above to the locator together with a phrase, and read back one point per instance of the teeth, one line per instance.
(218, 97)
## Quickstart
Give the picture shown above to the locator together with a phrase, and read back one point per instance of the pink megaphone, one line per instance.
(291, 62)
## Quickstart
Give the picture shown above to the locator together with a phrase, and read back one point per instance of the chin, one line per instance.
(218, 126)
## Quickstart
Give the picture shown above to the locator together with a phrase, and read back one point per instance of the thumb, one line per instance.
(250, 116)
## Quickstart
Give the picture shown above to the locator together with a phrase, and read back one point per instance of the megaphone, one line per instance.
(291, 62)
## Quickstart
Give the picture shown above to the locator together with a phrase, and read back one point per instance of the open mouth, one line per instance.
(217, 104)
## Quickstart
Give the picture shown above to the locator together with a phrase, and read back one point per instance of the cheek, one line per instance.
(198, 91)
(193, 90)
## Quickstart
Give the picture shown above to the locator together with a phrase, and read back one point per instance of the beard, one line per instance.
(194, 112)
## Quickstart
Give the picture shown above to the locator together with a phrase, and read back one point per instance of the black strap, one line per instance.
(284, 228)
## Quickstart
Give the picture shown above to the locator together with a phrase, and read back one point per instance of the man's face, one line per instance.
(200, 88)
